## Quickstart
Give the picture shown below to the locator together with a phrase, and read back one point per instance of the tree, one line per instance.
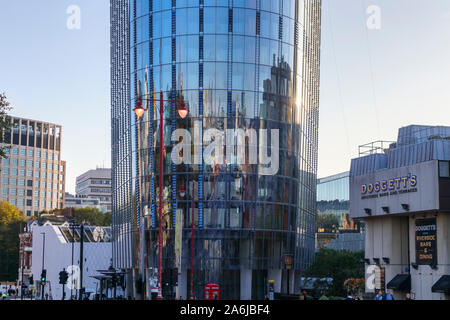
(5, 123)
(327, 221)
(339, 265)
(93, 216)
(11, 221)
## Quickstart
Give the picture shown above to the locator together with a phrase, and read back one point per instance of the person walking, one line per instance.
(388, 295)
(379, 295)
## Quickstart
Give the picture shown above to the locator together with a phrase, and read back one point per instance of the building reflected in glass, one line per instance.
(333, 221)
(242, 64)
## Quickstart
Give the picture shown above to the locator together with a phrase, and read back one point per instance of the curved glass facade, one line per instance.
(242, 64)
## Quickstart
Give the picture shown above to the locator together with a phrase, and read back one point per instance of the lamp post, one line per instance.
(192, 241)
(182, 112)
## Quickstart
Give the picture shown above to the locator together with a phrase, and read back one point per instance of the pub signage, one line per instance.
(389, 187)
(426, 248)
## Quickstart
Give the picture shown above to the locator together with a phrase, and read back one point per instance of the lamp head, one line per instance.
(183, 111)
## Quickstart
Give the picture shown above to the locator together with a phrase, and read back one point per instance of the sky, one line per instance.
(373, 81)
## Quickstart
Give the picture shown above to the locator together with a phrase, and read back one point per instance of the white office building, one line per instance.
(57, 247)
(95, 184)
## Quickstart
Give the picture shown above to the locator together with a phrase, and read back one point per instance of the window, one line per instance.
(21, 192)
(30, 164)
(14, 172)
(22, 182)
(38, 154)
(30, 153)
(5, 171)
(22, 173)
(20, 202)
(22, 162)
(23, 152)
(13, 192)
(6, 162)
(14, 162)
(13, 182)
(29, 173)
(5, 191)
(15, 151)
(444, 170)
(50, 156)
(5, 181)
(37, 165)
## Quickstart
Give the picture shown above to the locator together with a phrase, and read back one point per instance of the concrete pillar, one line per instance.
(182, 285)
(246, 284)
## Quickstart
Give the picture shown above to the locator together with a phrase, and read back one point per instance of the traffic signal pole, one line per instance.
(43, 264)
(80, 292)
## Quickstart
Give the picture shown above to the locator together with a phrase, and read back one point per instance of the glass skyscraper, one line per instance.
(247, 64)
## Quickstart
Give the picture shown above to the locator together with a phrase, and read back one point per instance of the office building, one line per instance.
(403, 195)
(335, 229)
(33, 176)
(250, 65)
(95, 184)
(81, 202)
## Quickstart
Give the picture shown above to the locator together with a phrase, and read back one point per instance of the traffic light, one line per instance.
(31, 279)
(63, 276)
(44, 275)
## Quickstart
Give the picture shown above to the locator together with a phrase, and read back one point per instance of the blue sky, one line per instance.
(59, 75)
(372, 81)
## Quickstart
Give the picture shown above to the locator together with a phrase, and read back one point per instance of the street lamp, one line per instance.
(182, 112)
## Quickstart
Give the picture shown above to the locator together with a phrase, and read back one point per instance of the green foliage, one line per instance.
(11, 222)
(93, 216)
(5, 123)
(339, 265)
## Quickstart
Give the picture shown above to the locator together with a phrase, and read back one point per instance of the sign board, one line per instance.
(426, 246)
(386, 192)
(212, 292)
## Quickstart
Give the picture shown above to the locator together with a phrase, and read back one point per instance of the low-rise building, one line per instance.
(403, 195)
(56, 246)
(335, 229)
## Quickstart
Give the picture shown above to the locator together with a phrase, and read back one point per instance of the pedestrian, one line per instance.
(408, 296)
(388, 295)
(379, 295)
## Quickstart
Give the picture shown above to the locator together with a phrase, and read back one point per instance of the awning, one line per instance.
(442, 285)
(401, 282)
